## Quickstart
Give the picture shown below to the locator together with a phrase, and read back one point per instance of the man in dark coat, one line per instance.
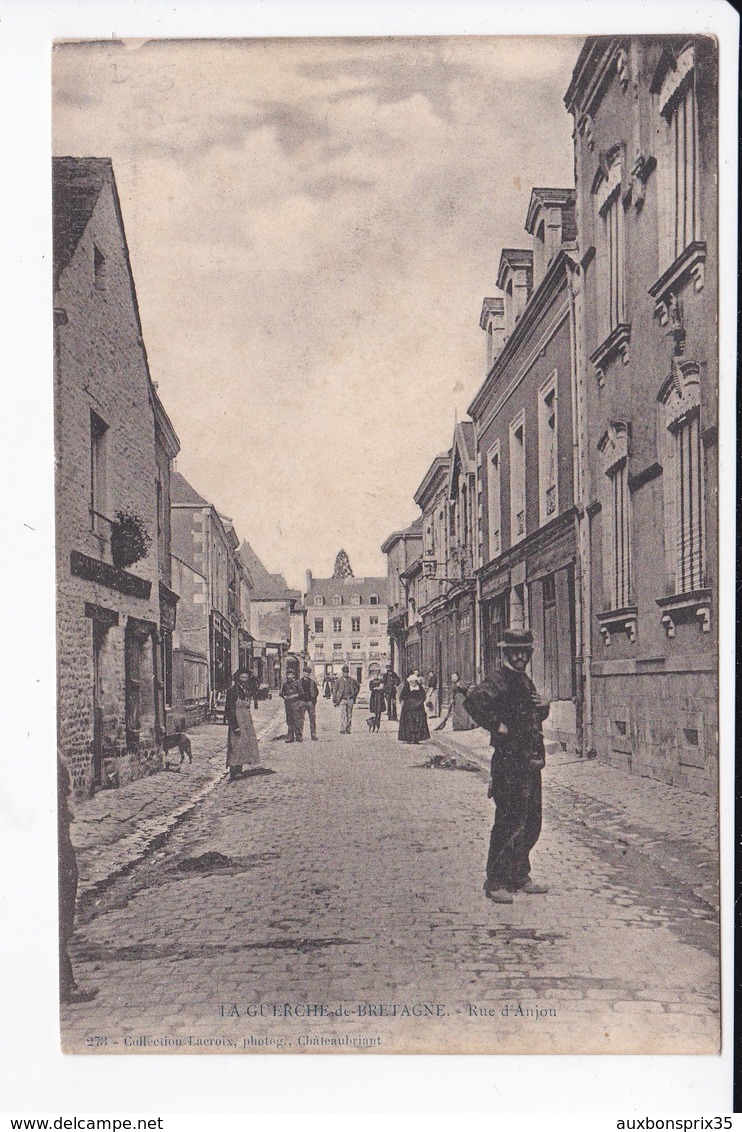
(509, 706)
(308, 695)
(294, 707)
(391, 683)
(344, 697)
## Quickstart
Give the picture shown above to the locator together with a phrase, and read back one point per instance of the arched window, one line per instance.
(609, 239)
(337, 599)
(319, 600)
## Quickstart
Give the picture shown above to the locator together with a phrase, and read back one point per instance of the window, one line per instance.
(374, 599)
(615, 519)
(337, 599)
(373, 621)
(337, 624)
(337, 646)
(517, 479)
(683, 460)
(610, 250)
(679, 166)
(319, 600)
(374, 644)
(319, 624)
(355, 624)
(547, 445)
(355, 599)
(356, 646)
(493, 500)
(98, 459)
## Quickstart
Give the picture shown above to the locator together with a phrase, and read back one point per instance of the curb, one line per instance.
(153, 834)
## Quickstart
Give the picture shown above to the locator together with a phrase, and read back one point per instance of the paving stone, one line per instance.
(355, 877)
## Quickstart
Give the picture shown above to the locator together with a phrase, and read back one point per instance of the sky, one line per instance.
(312, 226)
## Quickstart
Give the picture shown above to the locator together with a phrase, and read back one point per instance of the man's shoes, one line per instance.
(534, 889)
(498, 895)
(315, 738)
(290, 740)
(79, 994)
(300, 740)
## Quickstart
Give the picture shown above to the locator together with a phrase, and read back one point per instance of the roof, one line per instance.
(414, 531)
(266, 587)
(348, 587)
(491, 306)
(439, 466)
(546, 198)
(466, 431)
(76, 185)
(183, 495)
(516, 259)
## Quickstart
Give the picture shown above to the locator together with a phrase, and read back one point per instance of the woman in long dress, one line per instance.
(242, 742)
(460, 718)
(377, 700)
(413, 722)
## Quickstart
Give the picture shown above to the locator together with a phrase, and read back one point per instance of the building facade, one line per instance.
(114, 447)
(277, 623)
(347, 624)
(206, 543)
(402, 549)
(645, 112)
(527, 571)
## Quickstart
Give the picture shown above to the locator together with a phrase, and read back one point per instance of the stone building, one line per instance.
(190, 647)
(114, 446)
(645, 113)
(526, 536)
(401, 548)
(277, 623)
(347, 624)
(205, 542)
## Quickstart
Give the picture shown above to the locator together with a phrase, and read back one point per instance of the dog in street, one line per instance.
(183, 744)
(372, 723)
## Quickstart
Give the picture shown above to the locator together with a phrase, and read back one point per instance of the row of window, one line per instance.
(548, 466)
(678, 190)
(337, 624)
(355, 599)
(337, 646)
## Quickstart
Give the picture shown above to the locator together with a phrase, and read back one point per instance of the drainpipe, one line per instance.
(583, 586)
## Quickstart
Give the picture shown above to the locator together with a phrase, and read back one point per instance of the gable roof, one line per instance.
(266, 587)
(414, 531)
(183, 495)
(76, 185)
(348, 587)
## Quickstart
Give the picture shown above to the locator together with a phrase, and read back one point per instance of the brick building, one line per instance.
(524, 418)
(114, 446)
(645, 113)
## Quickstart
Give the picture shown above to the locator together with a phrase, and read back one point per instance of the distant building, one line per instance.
(645, 112)
(114, 447)
(206, 543)
(347, 624)
(401, 548)
(277, 622)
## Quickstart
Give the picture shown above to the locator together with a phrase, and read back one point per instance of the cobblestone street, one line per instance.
(338, 903)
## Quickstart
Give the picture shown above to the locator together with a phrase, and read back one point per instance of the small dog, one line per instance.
(183, 744)
(372, 723)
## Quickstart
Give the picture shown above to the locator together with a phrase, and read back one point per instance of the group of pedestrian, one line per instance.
(300, 695)
(506, 704)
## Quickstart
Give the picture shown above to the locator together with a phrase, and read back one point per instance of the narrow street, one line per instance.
(337, 904)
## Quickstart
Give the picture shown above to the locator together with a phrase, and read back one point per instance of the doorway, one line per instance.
(100, 628)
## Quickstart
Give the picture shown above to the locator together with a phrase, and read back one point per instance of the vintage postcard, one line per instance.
(386, 408)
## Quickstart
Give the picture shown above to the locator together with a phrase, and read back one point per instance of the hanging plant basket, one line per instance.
(130, 539)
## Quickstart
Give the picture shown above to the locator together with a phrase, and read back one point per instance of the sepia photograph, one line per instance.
(386, 416)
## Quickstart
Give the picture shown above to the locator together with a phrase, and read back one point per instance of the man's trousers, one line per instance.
(516, 792)
(346, 716)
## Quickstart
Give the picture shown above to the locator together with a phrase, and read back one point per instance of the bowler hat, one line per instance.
(516, 639)
(345, 668)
